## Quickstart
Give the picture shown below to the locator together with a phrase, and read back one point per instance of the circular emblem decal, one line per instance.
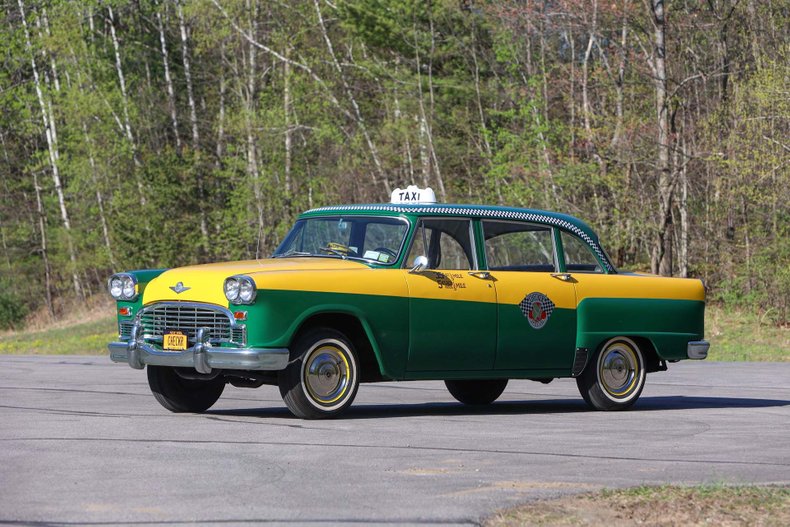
(537, 307)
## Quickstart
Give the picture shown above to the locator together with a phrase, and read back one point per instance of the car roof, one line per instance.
(556, 219)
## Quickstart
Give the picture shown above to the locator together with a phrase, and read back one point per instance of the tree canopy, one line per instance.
(157, 133)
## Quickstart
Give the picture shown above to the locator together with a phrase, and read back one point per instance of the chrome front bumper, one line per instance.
(697, 349)
(202, 356)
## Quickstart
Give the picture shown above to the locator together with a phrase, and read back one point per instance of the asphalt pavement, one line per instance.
(83, 442)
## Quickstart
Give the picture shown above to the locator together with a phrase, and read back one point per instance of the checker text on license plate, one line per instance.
(174, 341)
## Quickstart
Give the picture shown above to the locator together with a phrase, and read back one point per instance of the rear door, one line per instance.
(536, 304)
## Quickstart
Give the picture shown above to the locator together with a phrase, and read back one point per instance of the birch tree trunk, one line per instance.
(288, 131)
(127, 126)
(42, 228)
(357, 113)
(171, 95)
(193, 121)
(50, 131)
(99, 196)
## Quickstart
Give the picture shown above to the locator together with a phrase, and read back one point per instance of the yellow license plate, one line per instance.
(174, 342)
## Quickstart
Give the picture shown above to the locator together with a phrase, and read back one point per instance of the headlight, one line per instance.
(123, 286)
(240, 290)
(232, 289)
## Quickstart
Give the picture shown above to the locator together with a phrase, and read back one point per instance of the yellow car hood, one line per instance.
(203, 283)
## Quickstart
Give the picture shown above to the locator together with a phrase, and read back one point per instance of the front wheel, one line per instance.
(178, 394)
(476, 392)
(322, 378)
(615, 377)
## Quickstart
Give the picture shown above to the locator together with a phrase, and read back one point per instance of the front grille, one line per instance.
(125, 329)
(159, 319)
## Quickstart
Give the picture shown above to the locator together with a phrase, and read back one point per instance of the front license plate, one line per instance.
(174, 341)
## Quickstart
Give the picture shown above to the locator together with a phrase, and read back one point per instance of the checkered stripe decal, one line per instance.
(481, 213)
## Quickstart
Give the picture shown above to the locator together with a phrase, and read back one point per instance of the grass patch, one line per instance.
(742, 336)
(87, 338)
(660, 506)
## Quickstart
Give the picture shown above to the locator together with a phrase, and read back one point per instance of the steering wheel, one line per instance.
(387, 251)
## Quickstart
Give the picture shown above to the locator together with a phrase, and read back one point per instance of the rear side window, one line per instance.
(578, 255)
(513, 246)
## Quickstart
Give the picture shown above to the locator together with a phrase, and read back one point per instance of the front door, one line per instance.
(452, 308)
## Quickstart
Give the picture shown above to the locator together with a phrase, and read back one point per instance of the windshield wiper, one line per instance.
(292, 253)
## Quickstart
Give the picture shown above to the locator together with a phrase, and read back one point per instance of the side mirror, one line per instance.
(420, 263)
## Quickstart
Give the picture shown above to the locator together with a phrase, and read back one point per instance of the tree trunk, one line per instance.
(357, 113)
(288, 131)
(661, 261)
(42, 224)
(171, 95)
(127, 126)
(99, 196)
(52, 147)
(194, 123)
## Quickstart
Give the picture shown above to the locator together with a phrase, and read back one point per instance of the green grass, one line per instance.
(743, 336)
(88, 338)
(668, 505)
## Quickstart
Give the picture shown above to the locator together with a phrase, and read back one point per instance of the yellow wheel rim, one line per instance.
(327, 374)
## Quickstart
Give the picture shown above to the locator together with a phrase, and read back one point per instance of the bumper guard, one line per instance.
(697, 349)
(202, 356)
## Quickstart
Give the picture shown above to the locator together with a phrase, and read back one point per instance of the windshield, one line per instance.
(373, 239)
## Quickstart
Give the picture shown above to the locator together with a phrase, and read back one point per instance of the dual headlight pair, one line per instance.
(238, 289)
(123, 286)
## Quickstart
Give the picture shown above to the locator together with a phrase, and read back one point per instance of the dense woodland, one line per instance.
(158, 133)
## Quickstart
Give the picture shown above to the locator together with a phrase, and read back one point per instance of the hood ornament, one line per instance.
(179, 288)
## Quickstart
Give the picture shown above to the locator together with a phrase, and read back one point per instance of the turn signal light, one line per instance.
(240, 315)
(125, 311)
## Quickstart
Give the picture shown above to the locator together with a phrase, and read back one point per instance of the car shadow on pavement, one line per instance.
(548, 406)
(683, 402)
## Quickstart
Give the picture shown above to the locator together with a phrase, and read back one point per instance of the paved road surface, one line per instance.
(82, 441)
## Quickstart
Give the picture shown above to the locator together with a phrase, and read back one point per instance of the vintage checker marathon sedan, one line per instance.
(412, 289)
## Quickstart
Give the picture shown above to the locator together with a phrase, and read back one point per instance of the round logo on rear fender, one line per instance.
(537, 307)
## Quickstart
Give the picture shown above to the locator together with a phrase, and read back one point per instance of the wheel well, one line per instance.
(652, 361)
(352, 328)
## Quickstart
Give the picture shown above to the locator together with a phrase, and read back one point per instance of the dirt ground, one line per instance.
(658, 506)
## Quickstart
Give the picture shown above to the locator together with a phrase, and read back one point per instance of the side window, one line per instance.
(512, 246)
(446, 242)
(578, 255)
(383, 240)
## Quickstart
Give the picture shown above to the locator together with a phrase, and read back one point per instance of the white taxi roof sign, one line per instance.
(413, 195)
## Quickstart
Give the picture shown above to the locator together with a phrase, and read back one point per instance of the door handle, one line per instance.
(482, 275)
(565, 277)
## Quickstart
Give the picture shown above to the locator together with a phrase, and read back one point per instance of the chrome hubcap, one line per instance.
(618, 370)
(326, 374)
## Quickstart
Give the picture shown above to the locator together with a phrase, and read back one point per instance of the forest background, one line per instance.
(152, 133)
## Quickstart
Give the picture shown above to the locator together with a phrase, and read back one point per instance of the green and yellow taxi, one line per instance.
(408, 290)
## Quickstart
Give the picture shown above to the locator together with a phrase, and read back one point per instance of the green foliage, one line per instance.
(494, 102)
(12, 307)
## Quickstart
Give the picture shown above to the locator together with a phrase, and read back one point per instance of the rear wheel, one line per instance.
(615, 377)
(476, 392)
(178, 394)
(323, 376)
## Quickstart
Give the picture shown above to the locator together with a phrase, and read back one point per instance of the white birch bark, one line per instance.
(171, 95)
(42, 224)
(357, 113)
(193, 121)
(52, 147)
